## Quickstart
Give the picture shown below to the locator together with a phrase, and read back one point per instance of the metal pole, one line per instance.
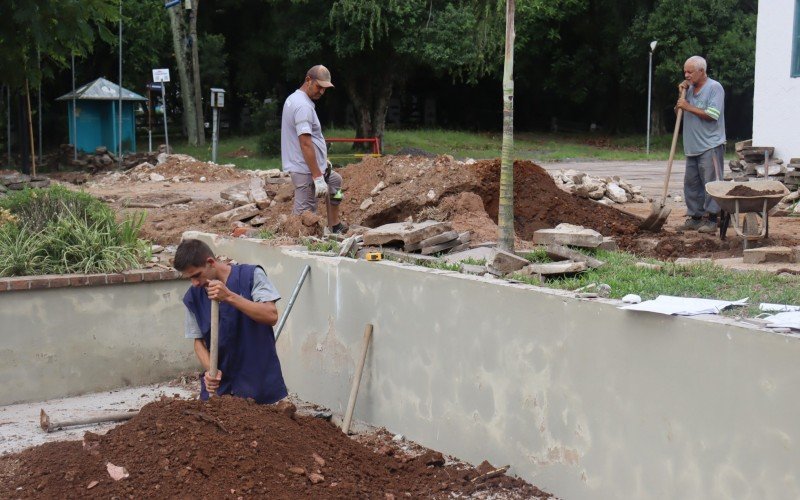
(8, 124)
(119, 119)
(39, 105)
(74, 114)
(149, 120)
(164, 109)
(214, 136)
(289, 306)
(649, 91)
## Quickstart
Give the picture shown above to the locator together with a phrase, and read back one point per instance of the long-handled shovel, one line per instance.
(660, 210)
(214, 348)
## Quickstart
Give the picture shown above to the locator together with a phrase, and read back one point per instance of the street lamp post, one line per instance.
(650, 90)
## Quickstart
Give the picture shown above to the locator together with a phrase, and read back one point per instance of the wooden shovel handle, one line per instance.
(214, 348)
(678, 118)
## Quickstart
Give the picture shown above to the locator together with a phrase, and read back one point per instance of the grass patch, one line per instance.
(535, 146)
(319, 245)
(701, 280)
(58, 231)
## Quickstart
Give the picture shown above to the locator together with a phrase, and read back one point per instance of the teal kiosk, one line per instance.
(95, 107)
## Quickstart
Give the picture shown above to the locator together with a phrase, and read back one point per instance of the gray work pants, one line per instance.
(304, 197)
(699, 172)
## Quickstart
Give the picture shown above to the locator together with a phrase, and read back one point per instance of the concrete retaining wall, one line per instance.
(73, 340)
(583, 399)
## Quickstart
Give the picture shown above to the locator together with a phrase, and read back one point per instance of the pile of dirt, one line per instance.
(233, 448)
(415, 186)
(174, 168)
(242, 152)
(743, 191)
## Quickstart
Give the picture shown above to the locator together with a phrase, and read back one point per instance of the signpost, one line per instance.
(171, 3)
(217, 102)
(162, 76)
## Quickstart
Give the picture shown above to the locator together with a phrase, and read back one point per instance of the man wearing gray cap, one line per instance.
(304, 153)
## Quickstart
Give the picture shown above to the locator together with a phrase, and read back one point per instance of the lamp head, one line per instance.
(653, 45)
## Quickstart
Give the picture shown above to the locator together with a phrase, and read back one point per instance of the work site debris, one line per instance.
(192, 449)
(771, 254)
(606, 189)
(175, 168)
(758, 162)
(568, 234)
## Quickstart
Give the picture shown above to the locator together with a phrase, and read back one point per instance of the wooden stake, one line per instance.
(30, 129)
(48, 425)
(351, 404)
(214, 350)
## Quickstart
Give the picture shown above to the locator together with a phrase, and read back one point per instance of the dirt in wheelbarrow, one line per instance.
(742, 190)
(233, 448)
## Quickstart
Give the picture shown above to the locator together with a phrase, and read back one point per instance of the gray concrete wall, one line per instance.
(69, 341)
(584, 400)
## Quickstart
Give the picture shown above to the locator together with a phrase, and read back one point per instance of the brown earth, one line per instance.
(742, 190)
(233, 448)
(439, 188)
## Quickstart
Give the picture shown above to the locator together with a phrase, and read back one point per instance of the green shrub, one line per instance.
(269, 143)
(57, 231)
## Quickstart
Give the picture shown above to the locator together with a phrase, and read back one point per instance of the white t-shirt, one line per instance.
(263, 291)
(300, 117)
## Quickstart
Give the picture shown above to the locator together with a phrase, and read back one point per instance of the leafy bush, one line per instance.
(57, 231)
(265, 115)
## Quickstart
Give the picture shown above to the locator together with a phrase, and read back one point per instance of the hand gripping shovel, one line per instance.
(660, 210)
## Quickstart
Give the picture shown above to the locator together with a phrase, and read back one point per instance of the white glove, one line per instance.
(320, 187)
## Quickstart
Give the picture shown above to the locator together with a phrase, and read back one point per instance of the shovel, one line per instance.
(660, 211)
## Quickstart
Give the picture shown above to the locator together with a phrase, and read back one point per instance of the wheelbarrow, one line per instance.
(743, 212)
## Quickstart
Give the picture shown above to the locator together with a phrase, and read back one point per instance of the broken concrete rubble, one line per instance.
(404, 232)
(568, 234)
(553, 268)
(237, 214)
(769, 254)
(503, 262)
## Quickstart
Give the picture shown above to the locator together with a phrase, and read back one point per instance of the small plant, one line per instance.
(58, 231)
(474, 262)
(6, 217)
(314, 245)
(537, 255)
(266, 234)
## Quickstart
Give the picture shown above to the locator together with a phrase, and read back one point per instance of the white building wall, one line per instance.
(776, 102)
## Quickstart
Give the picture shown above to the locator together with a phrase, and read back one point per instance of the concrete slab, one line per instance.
(19, 424)
(477, 253)
(506, 262)
(236, 214)
(404, 232)
(737, 264)
(768, 254)
(563, 252)
(568, 234)
(444, 237)
(555, 268)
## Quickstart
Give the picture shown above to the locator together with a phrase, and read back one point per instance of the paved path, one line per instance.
(647, 174)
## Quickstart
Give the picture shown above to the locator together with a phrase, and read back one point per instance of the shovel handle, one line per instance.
(678, 118)
(214, 348)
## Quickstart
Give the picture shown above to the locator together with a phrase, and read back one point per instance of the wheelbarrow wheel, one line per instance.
(751, 226)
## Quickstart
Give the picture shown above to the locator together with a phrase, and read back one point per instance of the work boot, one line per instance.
(691, 224)
(339, 228)
(708, 226)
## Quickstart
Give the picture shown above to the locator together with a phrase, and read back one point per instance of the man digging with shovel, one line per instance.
(248, 362)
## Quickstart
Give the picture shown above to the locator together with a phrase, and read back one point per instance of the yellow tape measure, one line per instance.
(373, 256)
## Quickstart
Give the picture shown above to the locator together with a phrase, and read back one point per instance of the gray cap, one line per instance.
(321, 74)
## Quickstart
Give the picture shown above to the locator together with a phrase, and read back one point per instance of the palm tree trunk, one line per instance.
(505, 217)
(198, 90)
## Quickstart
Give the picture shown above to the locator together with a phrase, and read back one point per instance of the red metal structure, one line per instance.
(376, 142)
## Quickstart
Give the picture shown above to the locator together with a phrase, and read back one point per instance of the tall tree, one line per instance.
(505, 216)
(183, 20)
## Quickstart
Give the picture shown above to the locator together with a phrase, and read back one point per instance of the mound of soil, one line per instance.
(230, 447)
(742, 190)
(187, 168)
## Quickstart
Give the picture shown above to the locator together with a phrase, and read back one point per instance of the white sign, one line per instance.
(161, 75)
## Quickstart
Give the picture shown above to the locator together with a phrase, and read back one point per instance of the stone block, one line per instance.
(554, 268)
(430, 250)
(237, 214)
(406, 233)
(478, 253)
(439, 239)
(473, 269)
(257, 194)
(238, 194)
(567, 234)
(767, 254)
(506, 262)
(609, 244)
(562, 252)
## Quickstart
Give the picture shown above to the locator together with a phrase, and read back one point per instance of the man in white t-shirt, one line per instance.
(304, 153)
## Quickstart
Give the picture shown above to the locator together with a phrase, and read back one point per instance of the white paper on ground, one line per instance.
(764, 306)
(683, 306)
(784, 320)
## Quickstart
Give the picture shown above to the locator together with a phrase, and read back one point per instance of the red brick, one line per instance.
(59, 281)
(38, 282)
(78, 280)
(132, 276)
(5, 283)
(151, 275)
(171, 275)
(113, 279)
(96, 279)
(20, 284)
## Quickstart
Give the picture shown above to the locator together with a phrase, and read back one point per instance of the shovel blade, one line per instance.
(657, 218)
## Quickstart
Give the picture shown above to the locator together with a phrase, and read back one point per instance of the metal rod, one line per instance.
(289, 306)
(649, 93)
(119, 145)
(74, 114)
(351, 403)
(149, 120)
(39, 105)
(164, 110)
(49, 425)
(214, 136)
